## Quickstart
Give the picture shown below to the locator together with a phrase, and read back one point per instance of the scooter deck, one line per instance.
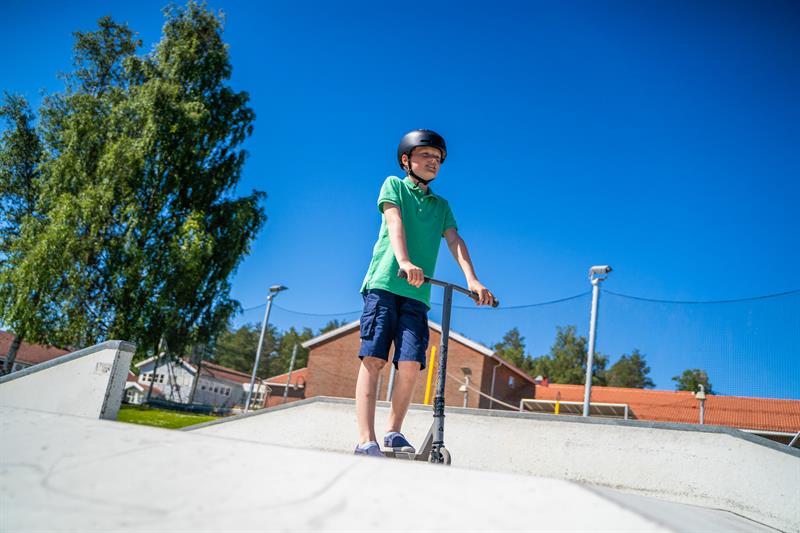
(424, 453)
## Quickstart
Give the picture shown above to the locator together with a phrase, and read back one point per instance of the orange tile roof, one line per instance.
(681, 406)
(32, 354)
(299, 377)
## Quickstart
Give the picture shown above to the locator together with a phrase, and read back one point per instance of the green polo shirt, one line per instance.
(426, 216)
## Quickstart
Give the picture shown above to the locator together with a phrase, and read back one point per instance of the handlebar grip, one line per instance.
(402, 275)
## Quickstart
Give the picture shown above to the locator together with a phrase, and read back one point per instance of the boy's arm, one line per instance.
(459, 250)
(397, 236)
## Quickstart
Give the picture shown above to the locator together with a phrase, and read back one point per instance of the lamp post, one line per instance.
(273, 291)
(597, 274)
(465, 387)
(701, 395)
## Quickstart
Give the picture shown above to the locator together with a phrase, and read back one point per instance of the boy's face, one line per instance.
(425, 161)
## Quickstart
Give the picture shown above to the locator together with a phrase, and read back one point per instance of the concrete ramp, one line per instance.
(89, 382)
(67, 473)
(712, 467)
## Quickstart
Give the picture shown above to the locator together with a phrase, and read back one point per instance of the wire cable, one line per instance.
(702, 302)
(553, 302)
(317, 314)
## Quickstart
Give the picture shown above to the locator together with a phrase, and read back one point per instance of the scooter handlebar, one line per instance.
(472, 294)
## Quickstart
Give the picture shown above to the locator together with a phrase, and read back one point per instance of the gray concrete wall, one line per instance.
(89, 382)
(702, 465)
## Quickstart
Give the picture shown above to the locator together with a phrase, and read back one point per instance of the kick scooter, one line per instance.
(433, 449)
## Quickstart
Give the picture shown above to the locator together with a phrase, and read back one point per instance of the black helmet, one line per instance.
(417, 138)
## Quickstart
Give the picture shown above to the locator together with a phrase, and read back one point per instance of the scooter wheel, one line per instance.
(445, 456)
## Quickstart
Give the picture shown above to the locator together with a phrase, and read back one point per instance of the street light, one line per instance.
(597, 274)
(273, 291)
(465, 387)
(701, 395)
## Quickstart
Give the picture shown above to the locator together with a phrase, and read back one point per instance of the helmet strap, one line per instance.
(418, 178)
(414, 174)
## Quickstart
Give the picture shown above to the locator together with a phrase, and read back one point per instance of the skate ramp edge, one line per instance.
(710, 466)
(95, 475)
(88, 382)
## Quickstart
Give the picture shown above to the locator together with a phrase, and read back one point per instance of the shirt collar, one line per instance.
(416, 188)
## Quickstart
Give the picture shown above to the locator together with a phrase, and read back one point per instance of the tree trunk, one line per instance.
(11, 356)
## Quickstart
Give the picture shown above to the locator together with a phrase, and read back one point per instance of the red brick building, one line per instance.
(28, 354)
(333, 368)
(276, 387)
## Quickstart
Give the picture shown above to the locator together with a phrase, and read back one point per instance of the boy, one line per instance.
(396, 310)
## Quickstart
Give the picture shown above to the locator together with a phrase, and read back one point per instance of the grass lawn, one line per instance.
(160, 418)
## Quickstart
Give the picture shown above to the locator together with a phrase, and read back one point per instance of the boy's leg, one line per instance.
(366, 395)
(404, 382)
(377, 330)
(410, 346)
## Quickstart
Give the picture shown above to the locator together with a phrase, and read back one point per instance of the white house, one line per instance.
(218, 386)
(134, 392)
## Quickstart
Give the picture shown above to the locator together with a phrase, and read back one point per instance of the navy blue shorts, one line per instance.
(389, 318)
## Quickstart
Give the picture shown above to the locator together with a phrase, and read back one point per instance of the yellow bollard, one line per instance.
(431, 365)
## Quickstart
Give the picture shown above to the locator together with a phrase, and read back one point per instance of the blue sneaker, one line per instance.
(371, 448)
(397, 442)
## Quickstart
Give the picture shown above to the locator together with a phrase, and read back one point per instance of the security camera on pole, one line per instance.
(273, 291)
(597, 274)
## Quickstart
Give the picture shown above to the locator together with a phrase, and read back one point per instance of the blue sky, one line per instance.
(658, 137)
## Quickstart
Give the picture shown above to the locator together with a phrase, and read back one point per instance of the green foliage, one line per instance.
(136, 231)
(24, 304)
(630, 371)
(512, 349)
(566, 362)
(691, 378)
(237, 348)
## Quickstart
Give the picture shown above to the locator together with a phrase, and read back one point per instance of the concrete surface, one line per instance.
(68, 473)
(88, 382)
(717, 468)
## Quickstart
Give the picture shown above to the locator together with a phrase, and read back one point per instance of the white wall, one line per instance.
(89, 382)
(177, 391)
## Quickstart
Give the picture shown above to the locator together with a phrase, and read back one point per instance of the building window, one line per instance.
(216, 390)
(202, 387)
(511, 381)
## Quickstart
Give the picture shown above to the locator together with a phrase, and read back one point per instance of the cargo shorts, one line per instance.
(388, 318)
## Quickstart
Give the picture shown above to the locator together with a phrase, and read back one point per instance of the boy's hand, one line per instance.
(485, 295)
(414, 274)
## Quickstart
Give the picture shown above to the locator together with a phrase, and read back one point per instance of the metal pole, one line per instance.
(590, 360)
(289, 377)
(258, 352)
(491, 392)
(438, 401)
